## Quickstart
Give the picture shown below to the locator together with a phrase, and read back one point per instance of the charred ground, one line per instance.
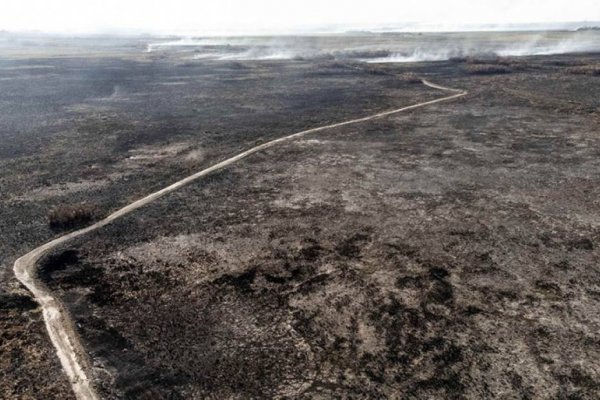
(98, 131)
(450, 252)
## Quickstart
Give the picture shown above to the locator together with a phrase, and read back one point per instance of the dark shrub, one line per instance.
(592, 70)
(70, 216)
(487, 69)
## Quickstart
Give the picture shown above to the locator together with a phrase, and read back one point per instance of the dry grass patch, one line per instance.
(72, 215)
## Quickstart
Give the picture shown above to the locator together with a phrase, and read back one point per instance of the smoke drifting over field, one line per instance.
(380, 48)
(540, 45)
(570, 45)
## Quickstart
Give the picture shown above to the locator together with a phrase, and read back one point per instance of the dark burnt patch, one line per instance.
(242, 282)
(351, 247)
(17, 302)
(57, 262)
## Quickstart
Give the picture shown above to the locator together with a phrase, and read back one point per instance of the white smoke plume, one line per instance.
(385, 48)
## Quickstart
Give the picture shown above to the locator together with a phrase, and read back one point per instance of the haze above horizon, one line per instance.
(279, 17)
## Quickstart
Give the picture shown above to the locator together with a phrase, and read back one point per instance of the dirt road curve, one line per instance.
(58, 322)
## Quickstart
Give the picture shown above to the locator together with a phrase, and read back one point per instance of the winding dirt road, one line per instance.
(58, 322)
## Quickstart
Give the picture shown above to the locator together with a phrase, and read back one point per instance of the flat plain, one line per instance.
(449, 251)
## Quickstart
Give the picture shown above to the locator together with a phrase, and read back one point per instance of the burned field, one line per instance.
(447, 252)
(81, 137)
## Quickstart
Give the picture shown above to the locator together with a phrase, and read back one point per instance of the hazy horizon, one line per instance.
(268, 17)
(330, 30)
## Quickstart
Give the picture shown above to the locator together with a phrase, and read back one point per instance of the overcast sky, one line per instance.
(277, 16)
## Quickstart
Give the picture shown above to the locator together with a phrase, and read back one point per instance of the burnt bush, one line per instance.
(591, 70)
(72, 215)
(487, 69)
(410, 77)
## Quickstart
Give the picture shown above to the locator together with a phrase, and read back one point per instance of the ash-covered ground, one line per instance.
(103, 124)
(447, 252)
